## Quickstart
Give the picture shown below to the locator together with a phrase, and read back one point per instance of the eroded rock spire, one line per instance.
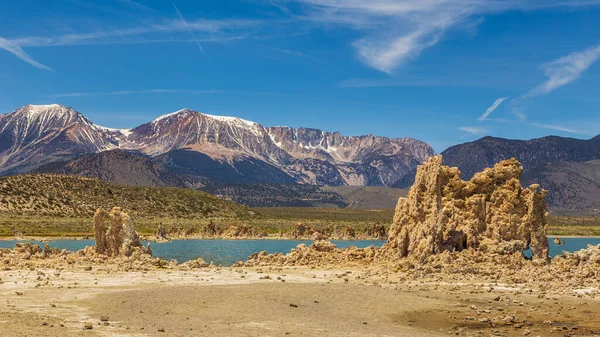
(119, 238)
(491, 212)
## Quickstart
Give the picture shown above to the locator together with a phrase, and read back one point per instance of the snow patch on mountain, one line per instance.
(124, 132)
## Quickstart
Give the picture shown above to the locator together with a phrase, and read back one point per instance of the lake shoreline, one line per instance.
(154, 239)
(268, 238)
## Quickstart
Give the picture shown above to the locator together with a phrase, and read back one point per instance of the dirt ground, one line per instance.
(278, 302)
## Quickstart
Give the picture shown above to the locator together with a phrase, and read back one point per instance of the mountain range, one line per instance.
(202, 147)
(276, 166)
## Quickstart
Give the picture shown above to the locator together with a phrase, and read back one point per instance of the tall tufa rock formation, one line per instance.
(115, 233)
(490, 213)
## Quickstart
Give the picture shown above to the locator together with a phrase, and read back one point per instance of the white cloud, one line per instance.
(556, 128)
(386, 55)
(397, 31)
(566, 70)
(472, 130)
(16, 50)
(492, 108)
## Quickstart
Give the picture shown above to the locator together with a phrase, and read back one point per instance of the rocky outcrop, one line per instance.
(210, 230)
(28, 256)
(491, 213)
(320, 252)
(194, 264)
(300, 230)
(376, 231)
(115, 234)
(447, 223)
(349, 233)
(239, 231)
(161, 234)
(306, 232)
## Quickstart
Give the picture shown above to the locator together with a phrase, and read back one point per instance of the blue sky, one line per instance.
(442, 71)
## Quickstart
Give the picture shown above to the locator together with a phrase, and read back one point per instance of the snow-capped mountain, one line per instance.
(36, 134)
(226, 149)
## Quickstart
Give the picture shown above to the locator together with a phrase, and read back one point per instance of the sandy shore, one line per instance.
(278, 302)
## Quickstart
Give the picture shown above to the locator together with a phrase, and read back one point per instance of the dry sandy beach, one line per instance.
(278, 302)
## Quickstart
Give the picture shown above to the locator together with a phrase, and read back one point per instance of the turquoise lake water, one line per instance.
(227, 252)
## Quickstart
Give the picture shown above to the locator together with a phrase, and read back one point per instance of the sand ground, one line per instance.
(278, 302)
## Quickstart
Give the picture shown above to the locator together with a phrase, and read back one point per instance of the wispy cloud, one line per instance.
(192, 33)
(559, 72)
(212, 30)
(557, 128)
(491, 109)
(296, 53)
(15, 49)
(395, 32)
(472, 130)
(135, 92)
(566, 70)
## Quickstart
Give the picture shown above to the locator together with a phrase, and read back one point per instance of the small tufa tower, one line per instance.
(115, 233)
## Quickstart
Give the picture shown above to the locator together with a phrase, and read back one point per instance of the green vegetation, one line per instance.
(368, 197)
(574, 226)
(56, 205)
(61, 196)
(269, 220)
(333, 215)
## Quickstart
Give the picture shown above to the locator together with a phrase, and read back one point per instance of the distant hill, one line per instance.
(121, 167)
(473, 157)
(116, 166)
(368, 197)
(61, 195)
(294, 195)
(268, 195)
(240, 170)
(572, 186)
(564, 166)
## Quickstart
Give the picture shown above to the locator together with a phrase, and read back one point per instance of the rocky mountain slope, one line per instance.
(121, 167)
(475, 156)
(38, 134)
(116, 166)
(229, 149)
(572, 186)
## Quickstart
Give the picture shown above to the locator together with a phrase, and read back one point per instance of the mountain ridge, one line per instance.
(300, 155)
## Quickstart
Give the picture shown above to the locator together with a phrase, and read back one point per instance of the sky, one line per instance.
(445, 72)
